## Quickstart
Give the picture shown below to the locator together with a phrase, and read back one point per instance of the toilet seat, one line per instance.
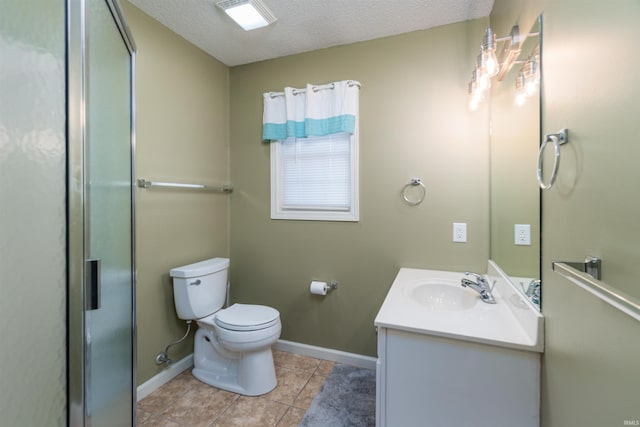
(247, 317)
(244, 317)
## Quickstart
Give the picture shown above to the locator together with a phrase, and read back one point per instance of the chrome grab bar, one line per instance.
(558, 139)
(619, 300)
(145, 183)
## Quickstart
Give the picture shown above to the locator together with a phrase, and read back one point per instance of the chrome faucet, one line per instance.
(533, 291)
(534, 286)
(481, 286)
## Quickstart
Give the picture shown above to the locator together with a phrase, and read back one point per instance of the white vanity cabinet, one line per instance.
(432, 381)
(448, 367)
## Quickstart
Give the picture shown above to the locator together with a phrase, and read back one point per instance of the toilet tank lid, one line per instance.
(201, 268)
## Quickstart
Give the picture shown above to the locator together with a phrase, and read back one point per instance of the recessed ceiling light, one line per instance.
(249, 14)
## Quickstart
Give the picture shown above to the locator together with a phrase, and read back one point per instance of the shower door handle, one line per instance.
(92, 283)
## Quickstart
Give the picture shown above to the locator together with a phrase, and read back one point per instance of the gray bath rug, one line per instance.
(347, 398)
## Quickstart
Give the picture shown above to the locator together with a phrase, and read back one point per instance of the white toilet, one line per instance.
(232, 345)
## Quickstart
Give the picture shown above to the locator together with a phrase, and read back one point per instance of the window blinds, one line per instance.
(315, 173)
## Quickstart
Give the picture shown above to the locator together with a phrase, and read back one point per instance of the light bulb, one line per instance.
(521, 94)
(489, 59)
(531, 87)
(481, 79)
(484, 83)
(476, 99)
(475, 95)
(490, 62)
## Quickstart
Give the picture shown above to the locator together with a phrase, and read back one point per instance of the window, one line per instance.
(315, 178)
(313, 134)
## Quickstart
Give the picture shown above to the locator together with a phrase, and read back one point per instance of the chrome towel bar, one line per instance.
(145, 183)
(591, 265)
(619, 300)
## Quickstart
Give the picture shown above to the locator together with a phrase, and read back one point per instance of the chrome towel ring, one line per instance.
(415, 182)
(558, 139)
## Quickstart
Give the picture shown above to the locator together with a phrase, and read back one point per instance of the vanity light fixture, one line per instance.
(488, 65)
(249, 14)
(510, 51)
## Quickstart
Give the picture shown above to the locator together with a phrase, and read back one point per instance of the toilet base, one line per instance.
(249, 374)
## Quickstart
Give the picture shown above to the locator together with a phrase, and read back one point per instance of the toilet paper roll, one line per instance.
(318, 288)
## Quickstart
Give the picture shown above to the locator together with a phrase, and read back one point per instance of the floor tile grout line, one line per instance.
(222, 412)
(298, 369)
(283, 415)
(289, 407)
(172, 401)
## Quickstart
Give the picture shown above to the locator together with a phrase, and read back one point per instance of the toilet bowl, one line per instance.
(232, 348)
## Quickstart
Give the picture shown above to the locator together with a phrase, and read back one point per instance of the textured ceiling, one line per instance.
(305, 25)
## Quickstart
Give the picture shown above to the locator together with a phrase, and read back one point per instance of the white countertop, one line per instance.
(512, 322)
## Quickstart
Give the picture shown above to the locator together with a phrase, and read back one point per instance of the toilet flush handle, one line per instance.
(197, 282)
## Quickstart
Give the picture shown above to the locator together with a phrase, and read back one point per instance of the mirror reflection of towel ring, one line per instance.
(415, 182)
(557, 139)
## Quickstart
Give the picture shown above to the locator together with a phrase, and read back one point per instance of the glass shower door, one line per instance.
(108, 221)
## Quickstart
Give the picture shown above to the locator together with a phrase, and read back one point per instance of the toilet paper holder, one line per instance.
(322, 288)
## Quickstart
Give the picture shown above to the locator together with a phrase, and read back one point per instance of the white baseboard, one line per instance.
(352, 359)
(157, 381)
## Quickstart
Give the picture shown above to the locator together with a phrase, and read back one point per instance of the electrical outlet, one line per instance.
(460, 232)
(522, 234)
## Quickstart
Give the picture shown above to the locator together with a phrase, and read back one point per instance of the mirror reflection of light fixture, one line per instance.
(521, 94)
(249, 14)
(529, 77)
(528, 80)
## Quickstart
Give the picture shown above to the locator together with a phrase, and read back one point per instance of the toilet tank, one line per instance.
(200, 289)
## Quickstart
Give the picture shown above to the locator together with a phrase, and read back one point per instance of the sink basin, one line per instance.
(441, 295)
(432, 302)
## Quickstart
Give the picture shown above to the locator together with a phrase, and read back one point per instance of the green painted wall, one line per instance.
(591, 368)
(414, 122)
(591, 88)
(182, 107)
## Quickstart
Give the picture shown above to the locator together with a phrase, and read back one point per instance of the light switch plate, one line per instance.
(522, 233)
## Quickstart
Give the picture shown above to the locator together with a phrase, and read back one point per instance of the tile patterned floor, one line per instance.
(187, 402)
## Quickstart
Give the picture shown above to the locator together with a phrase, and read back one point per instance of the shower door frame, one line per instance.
(77, 65)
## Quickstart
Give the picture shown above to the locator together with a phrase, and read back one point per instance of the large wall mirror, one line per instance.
(515, 194)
